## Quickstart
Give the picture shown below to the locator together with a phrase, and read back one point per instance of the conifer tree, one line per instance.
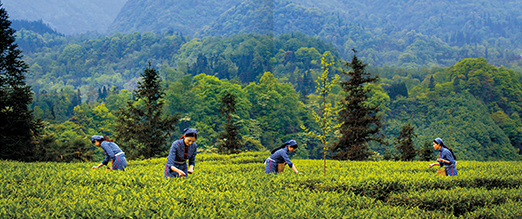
(404, 143)
(142, 129)
(230, 142)
(18, 129)
(431, 85)
(359, 122)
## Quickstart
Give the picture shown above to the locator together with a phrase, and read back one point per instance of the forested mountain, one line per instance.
(462, 111)
(385, 32)
(79, 82)
(268, 55)
(185, 17)
(66, 16)
(35, 26)
(117, 60)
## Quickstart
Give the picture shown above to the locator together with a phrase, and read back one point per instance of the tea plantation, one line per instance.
(236, 186)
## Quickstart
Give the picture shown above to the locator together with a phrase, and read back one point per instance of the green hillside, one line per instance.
(185, 17)
(384, 32)
(472, 104)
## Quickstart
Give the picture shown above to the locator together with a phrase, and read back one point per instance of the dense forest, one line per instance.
(271, 65)
(81, 81)
(395, 33)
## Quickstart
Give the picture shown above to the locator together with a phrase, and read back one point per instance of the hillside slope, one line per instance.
(489, 29)
(185, 17)
(444, 19)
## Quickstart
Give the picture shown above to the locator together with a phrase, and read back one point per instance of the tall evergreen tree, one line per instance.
(404, 143)
(230, 142)
(18, 129)
(360, 122)
(431, 85)
(141, 128)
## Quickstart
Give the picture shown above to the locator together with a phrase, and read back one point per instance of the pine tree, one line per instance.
(360, 123)
(18, 129)
(230, 142)
(404, 143)
(431, 85)
(141, 129)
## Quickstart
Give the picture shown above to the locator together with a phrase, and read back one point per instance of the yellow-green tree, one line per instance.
(325, 118)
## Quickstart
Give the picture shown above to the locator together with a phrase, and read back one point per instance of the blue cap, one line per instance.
(96, 138)
(190, 130)
(290, 143)
(439, 141)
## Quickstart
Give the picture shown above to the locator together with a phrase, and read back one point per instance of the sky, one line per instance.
(67, 16)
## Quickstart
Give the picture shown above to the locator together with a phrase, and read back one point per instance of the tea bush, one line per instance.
(235, 186)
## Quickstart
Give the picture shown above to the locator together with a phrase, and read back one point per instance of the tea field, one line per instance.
(236, 186)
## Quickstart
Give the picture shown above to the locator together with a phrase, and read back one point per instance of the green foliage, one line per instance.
(66, 71)
(426, 152)
(327, 113)
(235, 186)
(19, 131)
(142, 128)
(473, 135)
(191, 16)
(410, 35)
(94, 119)
(117, 99)
(57, 104)
(260, 19)
(404, 143)
(359, 121)
(94, 62)
(276, 107)
(202, 109)
(65, 142)
(473, 122)
(230, 141)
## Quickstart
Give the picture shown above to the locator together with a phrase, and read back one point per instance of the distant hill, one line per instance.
(372, 27)
(184, 16)
(456, 22)
(66, 16)
(35, 26)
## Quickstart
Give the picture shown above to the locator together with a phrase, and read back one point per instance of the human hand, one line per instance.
(95, 167)
(431, 165)
(181, 173)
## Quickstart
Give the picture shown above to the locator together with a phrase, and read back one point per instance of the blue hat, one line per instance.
(286, 144)
(290, 143)
(96, 138)
(439, 141)
(190, 130)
